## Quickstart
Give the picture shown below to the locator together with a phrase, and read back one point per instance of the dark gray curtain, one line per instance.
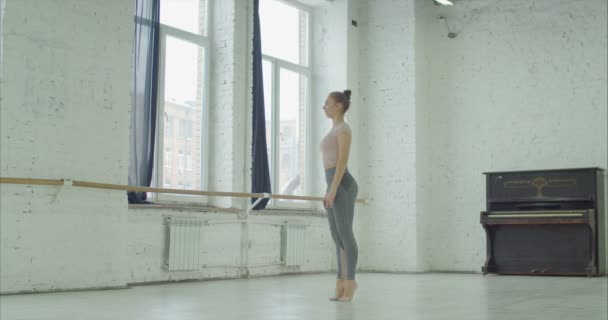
(144, 95)
(260, 175)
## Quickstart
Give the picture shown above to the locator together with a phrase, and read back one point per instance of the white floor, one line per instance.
(380, 296)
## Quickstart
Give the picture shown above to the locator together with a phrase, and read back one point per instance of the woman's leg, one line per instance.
(343, 270)
(344, 209)
(331, 217)
(339, 253)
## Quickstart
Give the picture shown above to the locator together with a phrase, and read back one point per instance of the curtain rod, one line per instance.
(107, 186)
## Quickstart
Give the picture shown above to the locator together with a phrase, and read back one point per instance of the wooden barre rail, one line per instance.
(84, 184)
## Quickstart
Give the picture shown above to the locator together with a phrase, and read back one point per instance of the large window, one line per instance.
(183, 96)
(286, 68)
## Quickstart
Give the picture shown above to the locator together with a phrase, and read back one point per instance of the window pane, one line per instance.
(168, 158)
(188, 15)
(183, 71)
(284, 31)
(168, 126)
(268, 83)
(291, 140)
(183, 105)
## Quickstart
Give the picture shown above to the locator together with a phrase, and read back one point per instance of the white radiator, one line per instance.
(183, 244)
(292, 244)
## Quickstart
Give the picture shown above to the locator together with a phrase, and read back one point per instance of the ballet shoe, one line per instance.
(339, 290)
(349, 290)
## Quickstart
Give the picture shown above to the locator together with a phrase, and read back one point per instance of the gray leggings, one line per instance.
(341, 220)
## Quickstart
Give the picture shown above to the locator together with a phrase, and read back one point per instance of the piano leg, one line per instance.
(592, 269)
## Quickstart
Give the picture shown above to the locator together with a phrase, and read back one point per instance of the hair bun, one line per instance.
(347, 93)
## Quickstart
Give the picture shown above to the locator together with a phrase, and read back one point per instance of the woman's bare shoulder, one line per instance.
(345, 128)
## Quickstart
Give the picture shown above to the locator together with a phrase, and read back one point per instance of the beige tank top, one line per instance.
(329, 144)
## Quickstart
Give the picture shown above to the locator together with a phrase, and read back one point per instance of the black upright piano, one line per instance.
(545, 222)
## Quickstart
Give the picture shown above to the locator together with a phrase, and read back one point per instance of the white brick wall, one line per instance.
(226, 98)
(64, 114)
(387, 110)
(522, 86)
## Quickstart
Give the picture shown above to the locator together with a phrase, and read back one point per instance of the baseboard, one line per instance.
(8, 293)
(455, 272)
(391, 272)
(294, 273)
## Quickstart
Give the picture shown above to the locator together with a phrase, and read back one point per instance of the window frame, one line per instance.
(276, 64)
(204, 41)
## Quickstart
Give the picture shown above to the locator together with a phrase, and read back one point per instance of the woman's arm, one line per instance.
(344, 140)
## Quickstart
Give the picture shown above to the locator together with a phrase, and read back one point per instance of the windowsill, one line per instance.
(183, 207)
(298, 212)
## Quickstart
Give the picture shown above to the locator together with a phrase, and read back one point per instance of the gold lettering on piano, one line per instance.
(539, 183)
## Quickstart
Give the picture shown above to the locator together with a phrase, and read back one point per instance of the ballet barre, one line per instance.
(107, 186)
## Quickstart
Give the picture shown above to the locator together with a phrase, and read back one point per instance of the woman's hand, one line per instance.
(328, 201)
